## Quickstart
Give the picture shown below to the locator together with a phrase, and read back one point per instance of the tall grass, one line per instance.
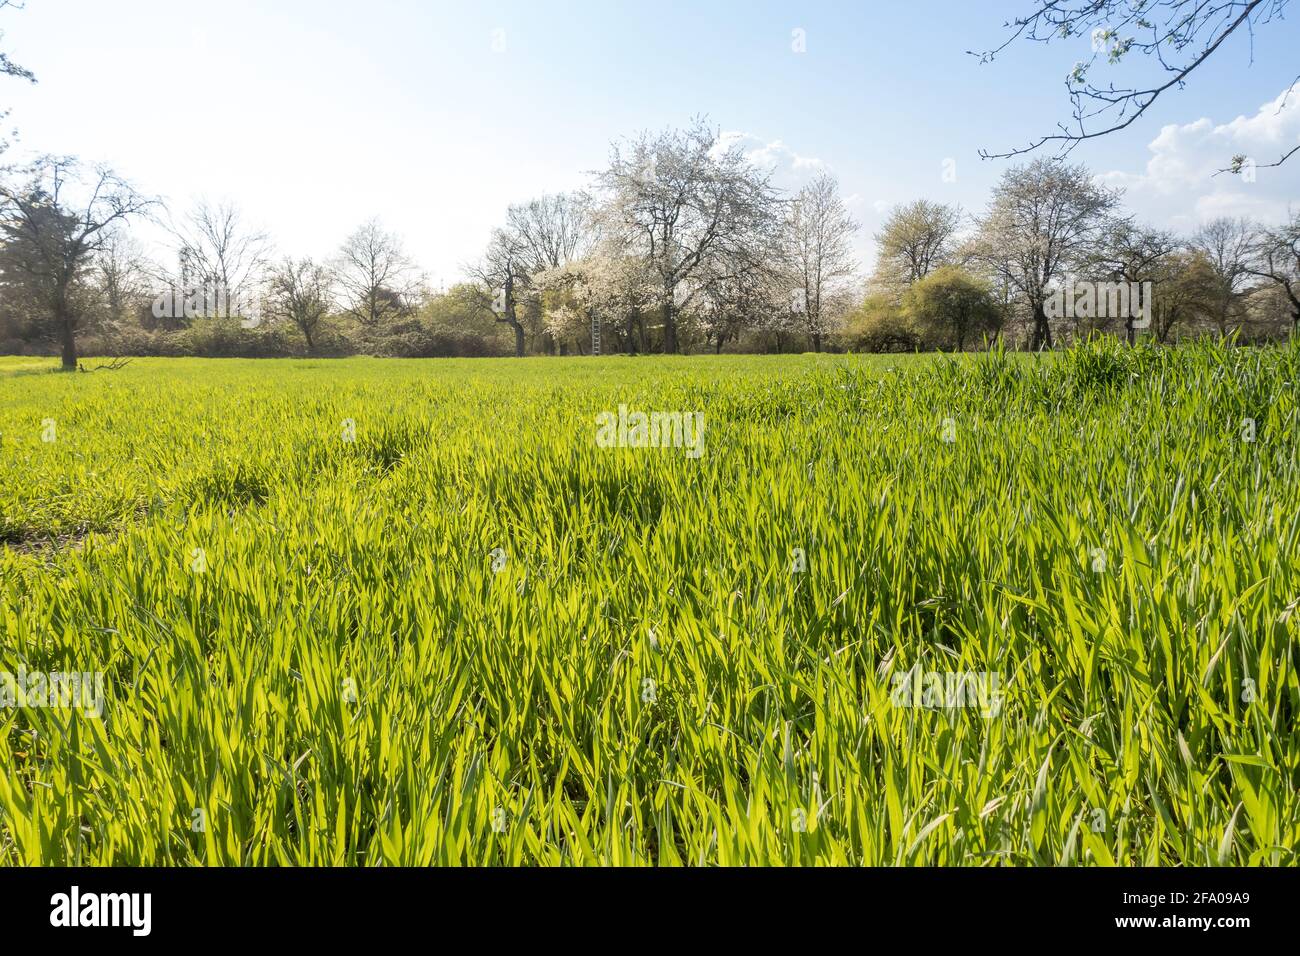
(354, 677)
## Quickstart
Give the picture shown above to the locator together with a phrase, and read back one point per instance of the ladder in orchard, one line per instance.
(595, 335)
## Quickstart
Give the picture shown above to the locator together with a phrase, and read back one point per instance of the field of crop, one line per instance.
(996, 610)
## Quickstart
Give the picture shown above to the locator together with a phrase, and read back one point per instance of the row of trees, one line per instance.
(944, 279)
(70, 269)
(681, 243)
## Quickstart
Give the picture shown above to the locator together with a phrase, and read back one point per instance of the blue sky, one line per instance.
(317, 115)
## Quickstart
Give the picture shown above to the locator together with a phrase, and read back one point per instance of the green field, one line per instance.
(472, 635)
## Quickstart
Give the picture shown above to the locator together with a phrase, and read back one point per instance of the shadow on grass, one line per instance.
(11, 369)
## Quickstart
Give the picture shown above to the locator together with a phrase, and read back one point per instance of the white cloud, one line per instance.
(1179, 189)
(776, 156)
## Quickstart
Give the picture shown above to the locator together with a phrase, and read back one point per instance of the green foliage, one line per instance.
(951, 308)
(879, 324)
(459, 323)
(355, 679)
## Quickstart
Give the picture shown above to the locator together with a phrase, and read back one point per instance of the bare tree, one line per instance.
(1043, 219)
(376, 278)
(51, 237)
(677, 198)
(1178, 35)
(819, 238)
(551, 232)
(1275, 255)
(121, 274)
(218, 250)
(298, 291)
(1227, 244)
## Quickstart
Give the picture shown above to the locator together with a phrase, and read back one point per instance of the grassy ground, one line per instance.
(900, 610)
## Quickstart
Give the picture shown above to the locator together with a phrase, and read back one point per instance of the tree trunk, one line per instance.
(670, 327)
(511, 318)
(68, 339)
(817, 341)
(1161, 326)
(1042, 330)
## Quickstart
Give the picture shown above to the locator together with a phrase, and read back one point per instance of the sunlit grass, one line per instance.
(648, 679)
